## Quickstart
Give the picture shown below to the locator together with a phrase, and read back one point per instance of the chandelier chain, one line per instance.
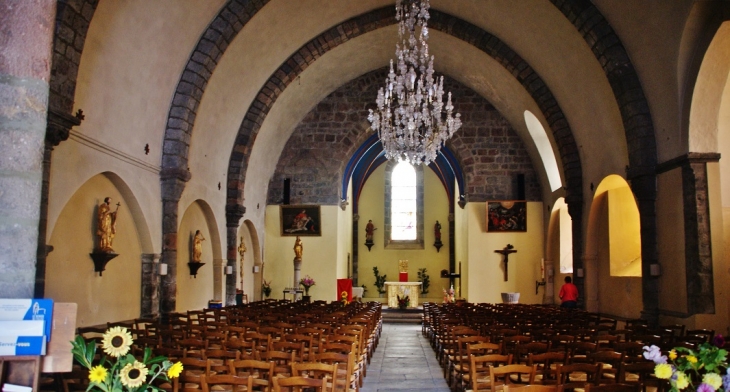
(411, 119)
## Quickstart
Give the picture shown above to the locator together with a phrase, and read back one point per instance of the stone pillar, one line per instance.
(173, 183)
(219, 270)
(234, 213)
(575, 209)
(150, 306)
(644, 186)
(452, 249)
(25, 57)
(549, 294)
(58, 128)
(297, 271)
(697, 234)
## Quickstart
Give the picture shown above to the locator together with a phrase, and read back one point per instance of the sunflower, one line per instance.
(133, 374)
(175, 370)
(97, 374)
(116, 341)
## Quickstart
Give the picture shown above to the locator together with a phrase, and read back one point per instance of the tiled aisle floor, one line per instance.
(404, 361)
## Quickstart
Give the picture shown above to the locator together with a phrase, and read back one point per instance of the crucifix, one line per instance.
(506, 252)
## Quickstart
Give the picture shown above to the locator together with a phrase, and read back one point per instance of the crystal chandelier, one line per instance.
(410, 118)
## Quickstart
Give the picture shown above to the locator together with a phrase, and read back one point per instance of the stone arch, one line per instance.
(638, 127)
(705, 124)
(448, 24)
(253, 235)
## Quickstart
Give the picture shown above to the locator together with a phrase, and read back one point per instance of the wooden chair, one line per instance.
(641, 374)
(261, 371)
(547, 366)
(459, 364)
(612, 388)
(217, 359)
(318, 370)
(610, 362)
(227, 382)
(297, 384)
(479, 374)
(282, 361)
(346, 377)
(532, 388)
(578, 375)
(510, 374)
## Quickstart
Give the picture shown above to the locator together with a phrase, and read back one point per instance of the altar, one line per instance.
(402, 289)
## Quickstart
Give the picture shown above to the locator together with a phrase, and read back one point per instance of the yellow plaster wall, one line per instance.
(436, 207)
(625, 233)
(486, 275)
(613, 292)
(70, 275)
(319, 260)
(194, 292)
(670, 234)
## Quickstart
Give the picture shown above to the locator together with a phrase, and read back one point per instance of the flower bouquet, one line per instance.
(307, 282)
(126, 373)
(266, 288)
(403, 302)
(449, 295)
(705, 366)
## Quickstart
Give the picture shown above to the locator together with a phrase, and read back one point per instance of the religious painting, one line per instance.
(506, 216)
(301, 220)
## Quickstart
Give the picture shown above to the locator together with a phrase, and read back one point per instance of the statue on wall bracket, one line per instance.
(437, 234)
(369, 231)
(197, 254)
(106, 229)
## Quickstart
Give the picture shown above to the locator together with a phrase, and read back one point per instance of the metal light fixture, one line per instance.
(411, 119)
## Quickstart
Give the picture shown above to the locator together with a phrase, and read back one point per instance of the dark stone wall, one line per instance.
(489, 150)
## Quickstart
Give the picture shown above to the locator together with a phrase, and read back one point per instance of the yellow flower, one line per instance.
(133, 374)
(116, 341)
(97, 374)
(175, 370)
(681, 381)
(663, 371)
(691, 359)
(712, 379)
(673, 355)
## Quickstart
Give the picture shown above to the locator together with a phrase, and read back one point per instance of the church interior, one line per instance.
(605, 122)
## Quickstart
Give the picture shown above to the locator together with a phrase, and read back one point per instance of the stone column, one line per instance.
(150, 306)
(549, 294)
(173, 183)
(25, 57)
(234, 213)
(219, 270)
(58, 129)
(297, 271)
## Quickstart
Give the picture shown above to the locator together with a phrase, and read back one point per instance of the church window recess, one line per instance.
(403, 206)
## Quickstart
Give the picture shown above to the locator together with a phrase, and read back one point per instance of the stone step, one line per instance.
(406, 316)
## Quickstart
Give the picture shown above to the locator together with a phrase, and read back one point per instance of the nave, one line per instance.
(404, 361)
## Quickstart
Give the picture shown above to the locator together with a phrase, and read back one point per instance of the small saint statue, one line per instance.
(241, 251)
(198, 246)
(369, 230)
(298, 248)
(106, 225)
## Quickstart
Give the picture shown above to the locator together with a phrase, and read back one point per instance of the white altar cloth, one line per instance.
(396, 289)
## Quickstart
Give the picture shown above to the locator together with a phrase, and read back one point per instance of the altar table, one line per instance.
(396, 289)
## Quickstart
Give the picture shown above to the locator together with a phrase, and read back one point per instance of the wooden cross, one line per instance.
(506, 252)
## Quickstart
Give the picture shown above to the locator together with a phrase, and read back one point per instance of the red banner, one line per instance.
(403, 277)
(344, 286)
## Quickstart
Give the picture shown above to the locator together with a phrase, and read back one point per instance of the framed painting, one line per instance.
(302, 220)
(505, 216)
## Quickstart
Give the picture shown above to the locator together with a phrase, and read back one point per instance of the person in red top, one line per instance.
(569, 294)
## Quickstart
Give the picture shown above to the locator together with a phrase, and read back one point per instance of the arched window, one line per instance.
(404, 206)
(403, 213)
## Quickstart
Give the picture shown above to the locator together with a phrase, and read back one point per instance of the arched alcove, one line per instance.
(613, 250)
(252, 265)
(559, 250)
(70, 275)
(194, 291)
